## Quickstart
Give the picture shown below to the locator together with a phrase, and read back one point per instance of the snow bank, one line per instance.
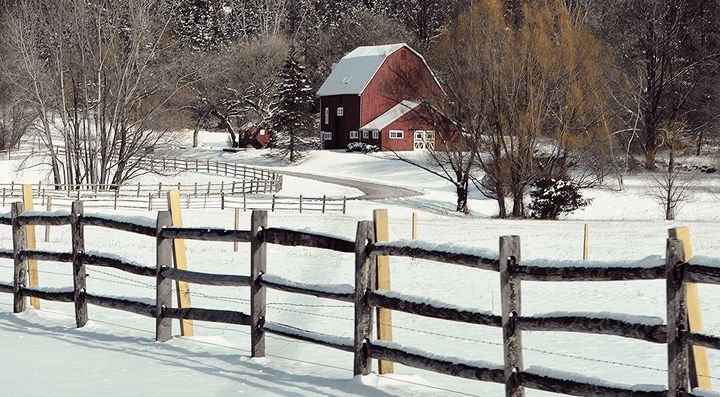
(553, 373)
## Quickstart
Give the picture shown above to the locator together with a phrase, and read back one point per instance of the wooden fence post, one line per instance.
(676, 318)
(180, 260)
(511, 293)
(362, 364)
(78, 249)
(585, 242)
(697, 355)
(382, 281)
(20, 266)
(258, 266)
(237, 227)
(301, 203)
(34, 279)
(47, 228)
(163, 260)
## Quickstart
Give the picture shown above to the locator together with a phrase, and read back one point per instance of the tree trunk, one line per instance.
(500, 197)
(462, 198)
(196, 135)
(650, 159)
(698, 148)
(518, 203)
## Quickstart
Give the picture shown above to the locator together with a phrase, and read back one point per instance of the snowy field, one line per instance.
(115, 354)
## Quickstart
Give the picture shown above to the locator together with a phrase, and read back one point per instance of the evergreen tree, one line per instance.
(292, 123)
(197, 23)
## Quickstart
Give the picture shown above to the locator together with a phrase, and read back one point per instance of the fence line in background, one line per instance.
(248, 179)
(272, 203)
(365, 297)
(249, 193)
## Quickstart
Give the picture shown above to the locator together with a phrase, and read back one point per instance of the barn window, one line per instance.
(327, 136)
(327, 115)
(353, 135)
(429, 136)
(262, 132)
(366, 134)
(376, 134)
(340, 111)
(397, 134)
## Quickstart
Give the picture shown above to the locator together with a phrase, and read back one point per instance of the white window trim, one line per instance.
(327, 115)
(429, 135)
(353, 135)
(366, 134)
(376, 134)
(327, 136)
(399, 134)
(340, 111)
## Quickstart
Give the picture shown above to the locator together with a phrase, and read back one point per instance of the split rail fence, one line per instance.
(248, 179)
(365, 297)
(193, 196)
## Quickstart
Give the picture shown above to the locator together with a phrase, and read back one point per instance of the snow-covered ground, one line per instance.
(115, 353)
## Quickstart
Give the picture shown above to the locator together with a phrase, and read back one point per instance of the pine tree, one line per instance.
(291, 122)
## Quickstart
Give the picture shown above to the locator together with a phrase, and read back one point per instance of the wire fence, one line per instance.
(283, 306)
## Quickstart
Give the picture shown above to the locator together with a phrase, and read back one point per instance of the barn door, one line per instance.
(424, 140)
(419, 142)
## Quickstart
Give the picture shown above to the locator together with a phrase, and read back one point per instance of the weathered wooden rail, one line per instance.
(365, 297)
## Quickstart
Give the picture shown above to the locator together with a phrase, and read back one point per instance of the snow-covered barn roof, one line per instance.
(355, 70)
(391, 115)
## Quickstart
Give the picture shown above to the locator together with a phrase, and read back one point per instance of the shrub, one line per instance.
(362, 147)
(551, 197)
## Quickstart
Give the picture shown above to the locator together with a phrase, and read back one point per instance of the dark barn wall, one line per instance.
(340, 126)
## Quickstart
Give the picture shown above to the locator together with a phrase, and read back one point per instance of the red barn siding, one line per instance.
(408, 123)
(404, 75)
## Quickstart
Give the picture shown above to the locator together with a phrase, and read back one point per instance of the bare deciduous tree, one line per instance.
(672, 185)
(100, 77)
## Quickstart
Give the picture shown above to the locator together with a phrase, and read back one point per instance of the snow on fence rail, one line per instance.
(674, 269)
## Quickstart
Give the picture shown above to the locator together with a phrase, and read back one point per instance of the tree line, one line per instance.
(573, 91)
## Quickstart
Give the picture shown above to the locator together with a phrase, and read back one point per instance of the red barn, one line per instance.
(372, 95)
